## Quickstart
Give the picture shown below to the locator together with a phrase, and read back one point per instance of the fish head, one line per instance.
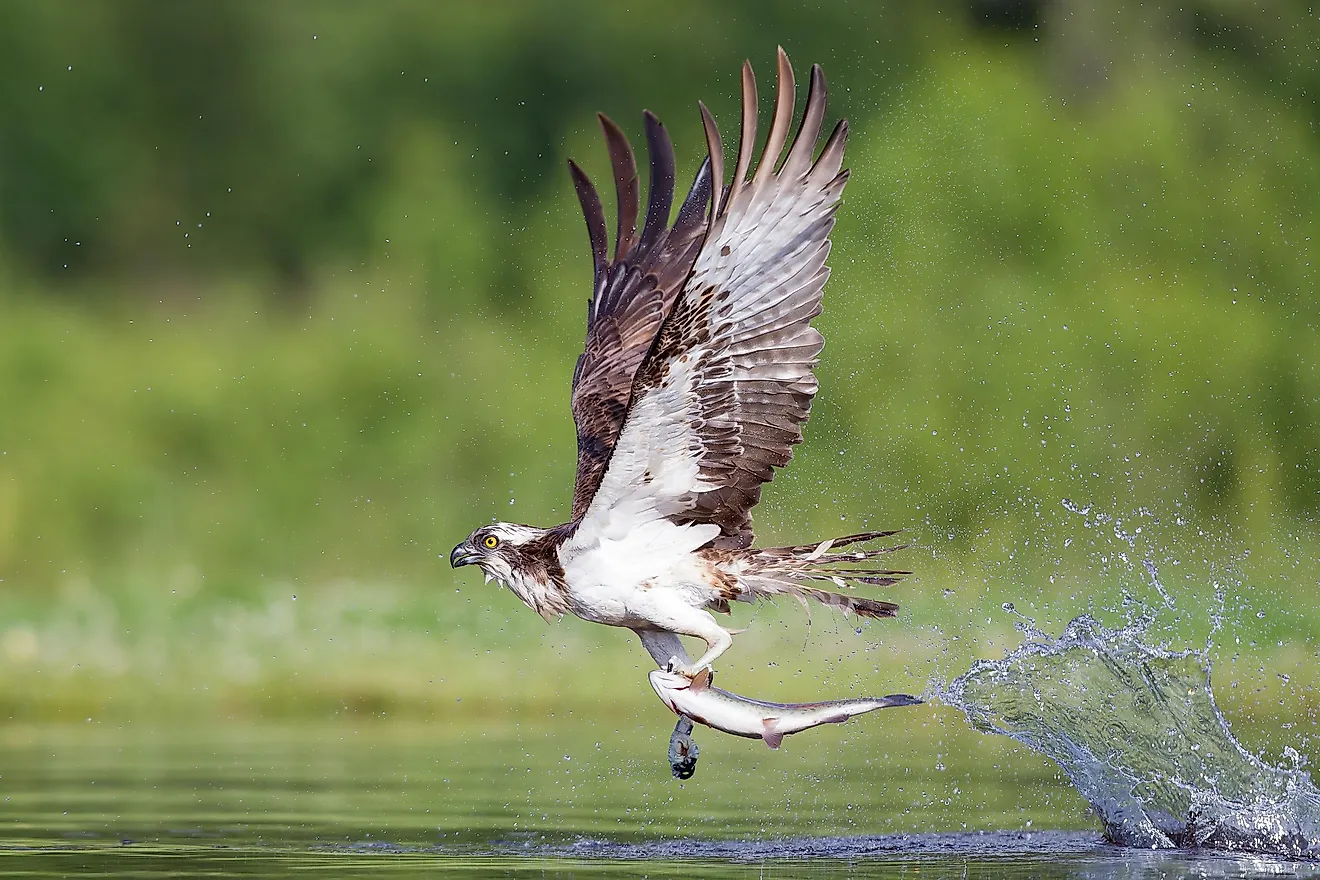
(669, 687)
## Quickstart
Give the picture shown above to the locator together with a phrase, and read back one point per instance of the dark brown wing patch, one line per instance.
(745, 312)
(631, 294)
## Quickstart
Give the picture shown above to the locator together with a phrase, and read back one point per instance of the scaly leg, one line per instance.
(717, 639)
(665, 647)
(671, 615)
(683, 619)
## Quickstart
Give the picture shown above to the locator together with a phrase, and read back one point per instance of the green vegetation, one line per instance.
(290, 296)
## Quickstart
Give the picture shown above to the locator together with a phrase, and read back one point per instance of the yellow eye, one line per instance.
(491, 542)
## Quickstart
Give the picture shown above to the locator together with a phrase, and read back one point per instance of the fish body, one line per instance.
(698, 699)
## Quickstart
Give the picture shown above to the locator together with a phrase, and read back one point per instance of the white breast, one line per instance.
(627, 580)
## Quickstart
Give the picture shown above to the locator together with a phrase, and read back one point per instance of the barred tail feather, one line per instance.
(781, 571)
(855, 604)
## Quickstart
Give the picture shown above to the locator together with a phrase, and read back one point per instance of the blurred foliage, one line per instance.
(290, 293)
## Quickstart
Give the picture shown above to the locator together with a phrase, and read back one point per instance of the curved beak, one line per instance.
(462, 555)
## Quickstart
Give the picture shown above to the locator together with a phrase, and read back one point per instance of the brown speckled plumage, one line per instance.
(749, 574)
(631, 294)
(694, 384)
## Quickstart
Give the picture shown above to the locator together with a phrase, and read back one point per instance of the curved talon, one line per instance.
(689, 670)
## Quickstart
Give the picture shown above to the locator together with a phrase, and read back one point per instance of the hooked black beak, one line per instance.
(462, 555)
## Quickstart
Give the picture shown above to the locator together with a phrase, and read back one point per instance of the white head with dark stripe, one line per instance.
(522, 558)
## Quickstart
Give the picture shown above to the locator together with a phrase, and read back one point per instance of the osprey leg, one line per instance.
(681, 618)
(664, 647)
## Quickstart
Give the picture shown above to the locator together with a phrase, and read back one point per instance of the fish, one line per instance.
(698, 699)
(683, 751)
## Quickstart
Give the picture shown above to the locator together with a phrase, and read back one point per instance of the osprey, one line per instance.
(693, 386)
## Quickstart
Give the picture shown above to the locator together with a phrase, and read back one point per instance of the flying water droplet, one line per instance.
(1159, 772)
(1073, 507)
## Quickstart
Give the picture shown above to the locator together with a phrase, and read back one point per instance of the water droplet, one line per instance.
(1073, 507)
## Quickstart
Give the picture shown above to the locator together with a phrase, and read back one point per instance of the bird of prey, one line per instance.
(694, 385)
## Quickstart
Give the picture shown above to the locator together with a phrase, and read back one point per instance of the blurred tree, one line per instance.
(1078, 255)
(261, 132)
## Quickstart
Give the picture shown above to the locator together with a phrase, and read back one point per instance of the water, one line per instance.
(1137, 731)
(579, 783)
(586, 794)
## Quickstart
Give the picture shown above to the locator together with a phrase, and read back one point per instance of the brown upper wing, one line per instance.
(632, 293)
(736, 351)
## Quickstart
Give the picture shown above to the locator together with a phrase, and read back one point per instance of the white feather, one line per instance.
(654, 473)
(820, 550)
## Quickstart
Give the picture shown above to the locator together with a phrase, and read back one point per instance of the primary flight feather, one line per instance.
(693, 386)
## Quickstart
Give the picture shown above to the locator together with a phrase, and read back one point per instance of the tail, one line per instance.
(777, 571)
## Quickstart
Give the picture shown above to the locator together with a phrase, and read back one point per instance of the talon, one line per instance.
(687, 670)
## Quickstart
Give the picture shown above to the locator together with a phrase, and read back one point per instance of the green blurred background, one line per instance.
(290, 295)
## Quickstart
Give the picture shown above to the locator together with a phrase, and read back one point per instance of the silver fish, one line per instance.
(698, 699)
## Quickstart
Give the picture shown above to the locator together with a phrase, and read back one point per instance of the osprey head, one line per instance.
(499, 549)
(523, 558)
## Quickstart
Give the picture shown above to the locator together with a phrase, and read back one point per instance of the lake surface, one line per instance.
(584, 793)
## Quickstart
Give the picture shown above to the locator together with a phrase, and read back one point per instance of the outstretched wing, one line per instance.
(631, 293)
(721, 397)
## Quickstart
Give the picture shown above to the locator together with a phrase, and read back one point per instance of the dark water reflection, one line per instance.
(993, 854)
(581, 796)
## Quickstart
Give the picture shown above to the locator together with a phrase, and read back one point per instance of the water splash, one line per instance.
(1137, 731)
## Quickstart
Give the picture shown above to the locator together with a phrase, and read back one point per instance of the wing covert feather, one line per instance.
(631, 294)
(730, 370)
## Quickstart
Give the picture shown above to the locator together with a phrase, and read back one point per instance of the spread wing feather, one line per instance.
(631, 293)
(720, 397)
